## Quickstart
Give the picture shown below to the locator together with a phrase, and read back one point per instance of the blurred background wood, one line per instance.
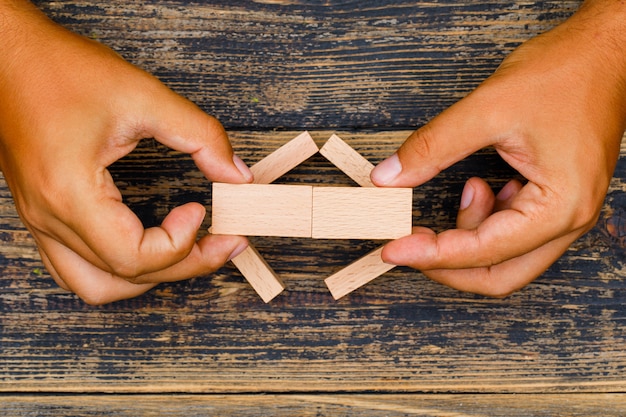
(370, 71)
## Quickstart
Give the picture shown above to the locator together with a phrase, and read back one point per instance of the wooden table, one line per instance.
(402, 345)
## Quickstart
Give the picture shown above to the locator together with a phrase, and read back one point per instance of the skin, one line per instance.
(71, 107)
(555, 110)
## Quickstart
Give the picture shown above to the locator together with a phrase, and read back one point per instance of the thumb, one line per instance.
(451, 136)
(179, 124)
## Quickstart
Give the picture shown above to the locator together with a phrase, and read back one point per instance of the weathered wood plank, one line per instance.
(315, 64)
(565, 332)
(570, 405)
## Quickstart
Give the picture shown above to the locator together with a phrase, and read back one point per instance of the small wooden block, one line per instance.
(357, 274)
(259, 274)
(284, 159)
(262, 210)
(362, 213)
(344, 157)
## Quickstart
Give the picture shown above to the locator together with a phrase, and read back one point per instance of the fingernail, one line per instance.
(243, 168)
(238, 250)
(467, 196)
(506, 192)
(387, 171)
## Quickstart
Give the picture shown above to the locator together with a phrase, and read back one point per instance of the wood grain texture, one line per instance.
(320, 64)
(357, 274)
(372, 72)
(259, 274)
(361, 213)
(487, 405)
(352, 163)
(565, 332)
(284, 159)
(262, 210)
(307, 211)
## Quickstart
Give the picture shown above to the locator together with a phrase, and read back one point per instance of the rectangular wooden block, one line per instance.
(262, 210)
(284, 159)
(306, 211)
(362, 213)
(344, 157)
(258, 274)
(357, 274)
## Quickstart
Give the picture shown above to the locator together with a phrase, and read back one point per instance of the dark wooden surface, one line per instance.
(402, 345)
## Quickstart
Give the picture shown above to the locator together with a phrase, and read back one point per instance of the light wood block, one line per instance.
(306, 211)
(284, 159)
(262, 210)
(352, 163)
(361, 213)
(357, 274)
(250, 263)
(258, 274)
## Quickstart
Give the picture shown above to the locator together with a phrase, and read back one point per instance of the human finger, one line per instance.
(531, 221)
(507, 277)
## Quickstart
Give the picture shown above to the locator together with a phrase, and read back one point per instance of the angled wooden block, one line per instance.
(344, 157)
(362, 213)
(284, 159)
(357, 274)
(258, 274)
(262, 210)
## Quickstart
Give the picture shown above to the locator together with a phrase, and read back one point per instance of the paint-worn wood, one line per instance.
(318, 64)
(357, 274)
(368, 70)
(361, 213)
(352, 163)
(375, 405)
(262, 210)
(565, 332)
(259, 274)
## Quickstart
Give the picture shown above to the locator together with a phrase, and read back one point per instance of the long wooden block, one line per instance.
(357, 274)
(344, 157)
(284, 159)
(262, 210)
(361, 213)
(306, 211)
(259, 274)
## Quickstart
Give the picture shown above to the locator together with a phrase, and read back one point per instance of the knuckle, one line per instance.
(95, 297)
(420, 144)
(127, 270)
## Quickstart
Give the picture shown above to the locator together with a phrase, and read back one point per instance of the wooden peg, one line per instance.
(258, 274)
(357, 274)
(284, 159)
(344, 157)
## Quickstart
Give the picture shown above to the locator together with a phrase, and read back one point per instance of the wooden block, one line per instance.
(361, 213)
(344, 157)
(357, 274)
(262, 210)
(259, 274)
(284, 159)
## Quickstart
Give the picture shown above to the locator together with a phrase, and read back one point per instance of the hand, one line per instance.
(555, 110)
(70, 107)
